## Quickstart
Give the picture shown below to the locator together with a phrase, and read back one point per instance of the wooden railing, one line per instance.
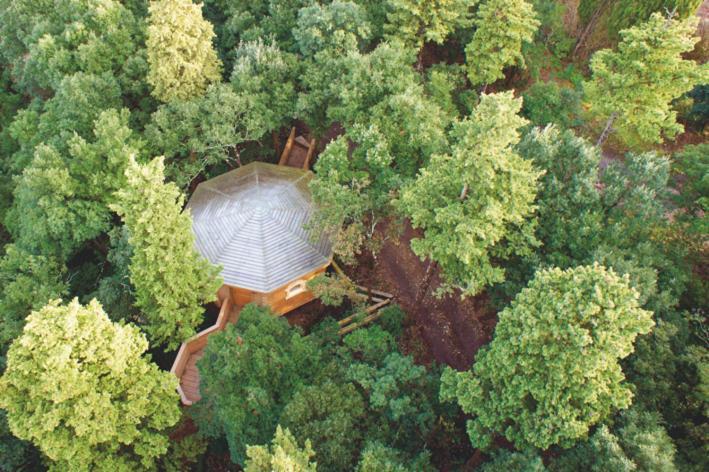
(198, 342)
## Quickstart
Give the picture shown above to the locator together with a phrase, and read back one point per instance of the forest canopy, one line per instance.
(515, 193)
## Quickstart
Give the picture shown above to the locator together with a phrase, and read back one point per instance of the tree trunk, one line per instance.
(607, 130)
(589, 27)
(425, 283)
(463, 193)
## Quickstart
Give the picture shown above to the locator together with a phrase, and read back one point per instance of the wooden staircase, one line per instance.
(192, 350)
(298, 152)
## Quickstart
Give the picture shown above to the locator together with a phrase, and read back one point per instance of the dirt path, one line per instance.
(449, 330)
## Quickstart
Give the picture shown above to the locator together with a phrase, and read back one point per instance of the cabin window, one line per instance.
(296, 288)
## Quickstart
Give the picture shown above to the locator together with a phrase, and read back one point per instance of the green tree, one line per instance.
(333, 417)
(171, 279)
(377, 457)
(551, 371)
(204, 131)
(248, 374)
(601, 452)
(338, 27)
(632, 88)
(284, 455)
(265, 77)
(46, 41)
(28, 282)
(501, 28)
(180, 53)
(416, 21)
(401, 400)
(78, 387)
(631, 12)
(691, 169)
(474, 203)
(526, 461)
(353, 191)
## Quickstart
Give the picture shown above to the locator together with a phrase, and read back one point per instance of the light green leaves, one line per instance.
(474, 203)
(77, 386)
(552, 370)
(180, 53)
(501, 28)
(284, 455)
(637, 82)
(171, 279)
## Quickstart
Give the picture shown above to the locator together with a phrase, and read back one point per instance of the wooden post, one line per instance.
(286, 150)
(311, 150)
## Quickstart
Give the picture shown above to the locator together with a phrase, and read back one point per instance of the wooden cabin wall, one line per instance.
(276, 299)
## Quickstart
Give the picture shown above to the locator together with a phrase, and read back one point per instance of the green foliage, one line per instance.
(551, 43)
(691, 169)
(416, 21)
(399, 394)
(646, 441)
(331, 416)
(391, 319)
(601, 452)
(183, 454)
(370, 345)
(698, 115)
(204, 131)
(628, 13)
(376, 457)
(115, 289)
(15, 454)
(74, 109)
(568, 201)
(180, 53)
(344, 88)
(332, 290)
(283, 455)
(248, 374)
(77, 386)
(616, 218)
(46, 41)
(446, 86)
(264, 77)
(548, 103)
(337, 27)
(502, 26)
(635, 84)
(28, 282)
(526, 461)
(171, 279)
(552, 371)
(352, 188)
(473, 203)
(49, 215)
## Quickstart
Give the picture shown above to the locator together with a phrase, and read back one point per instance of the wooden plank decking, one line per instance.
(190, 377)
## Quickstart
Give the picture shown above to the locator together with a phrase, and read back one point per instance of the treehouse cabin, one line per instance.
(255, 223)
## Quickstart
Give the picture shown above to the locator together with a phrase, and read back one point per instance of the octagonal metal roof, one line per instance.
(253, 221)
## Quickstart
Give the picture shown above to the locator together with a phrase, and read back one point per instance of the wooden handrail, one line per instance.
(286, 150)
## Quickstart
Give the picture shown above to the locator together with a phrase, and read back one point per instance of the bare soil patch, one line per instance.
(450, 329)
